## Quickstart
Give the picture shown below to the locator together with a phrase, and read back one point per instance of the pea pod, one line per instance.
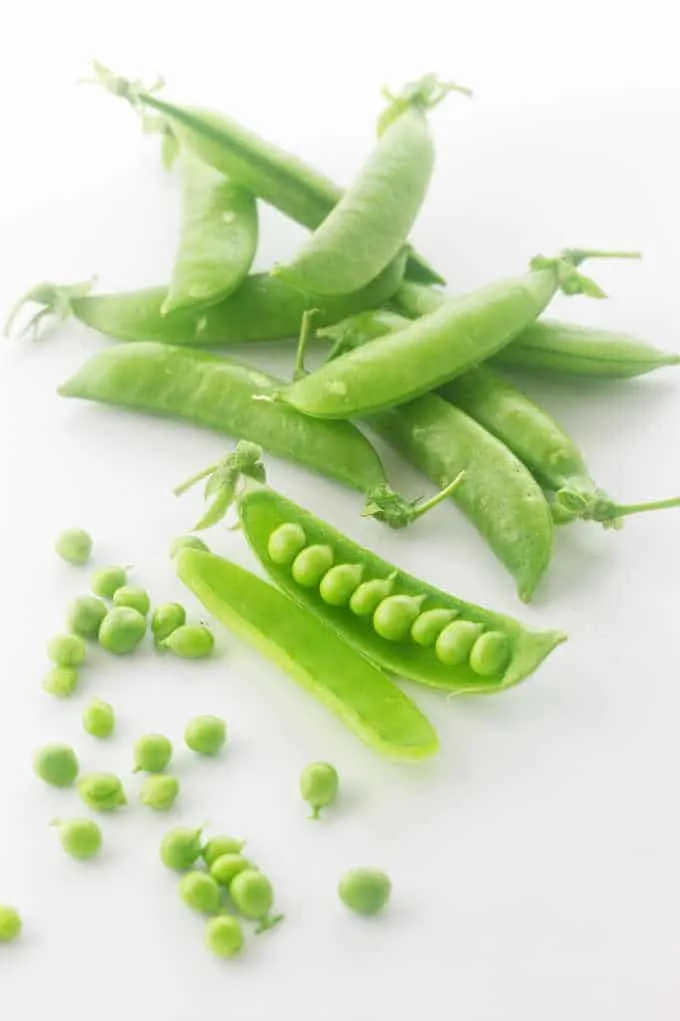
(347, 683)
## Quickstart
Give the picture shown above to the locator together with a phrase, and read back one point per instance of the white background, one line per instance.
(535, 860)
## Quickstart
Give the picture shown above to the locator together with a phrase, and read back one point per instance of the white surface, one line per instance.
(535, 861)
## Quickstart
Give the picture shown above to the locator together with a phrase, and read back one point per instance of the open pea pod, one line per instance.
(397, 620)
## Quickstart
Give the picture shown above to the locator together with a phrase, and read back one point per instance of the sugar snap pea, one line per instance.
(347, 683)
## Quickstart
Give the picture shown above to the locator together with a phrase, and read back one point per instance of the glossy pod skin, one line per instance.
(262, 512)
(347, 683)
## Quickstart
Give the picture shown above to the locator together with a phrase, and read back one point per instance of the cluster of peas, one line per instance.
(395, 617)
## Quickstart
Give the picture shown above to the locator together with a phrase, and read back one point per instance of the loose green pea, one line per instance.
(200, 892)
(180, 848)
(107, 580)
(187, 542)
(122, 630)
(10, 924)
(338, 584)
(61, 681)
(253, 896)
(365, 890)
(311, 564)
(159, 791)
(319, 786)
(166, 619)
(102, 791)
(74, 546)
(99, 718)
(206, 735)
(429, 625)
(85, 615)
(56, 764)
(394, 617)
(219, 846)
(456, 640)
(136, 598)
(370, 594)
(152, 753)
(225, 868)
(190, 641)
(224, 936)
(66, 650)
(285, 543)
(81, 838)
(490, 654)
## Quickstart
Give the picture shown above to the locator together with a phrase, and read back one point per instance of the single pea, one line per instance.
(490, 654)
(219, 846)
(285, 543)
(99, 718)
(10, 924)
(152, 753)
(135, 598)
(319, 786)
(394, 618)
(187, 542)
(74, 546)
(61, 681)
(365, 890)
(56, 764)
(81, 838)
(159, 791)
(190, 641)
(107, 580)
(200, 892)
(339, 584)
(225, 868)
(224, 936)
(455, 642)
(180, 848)
(166, 619)
(206, 735)
(253, 896)
(84, 616)
(122, 630)
(429, 625)
(311, 564)
(102, 791)
(66, 650)
(370, 594)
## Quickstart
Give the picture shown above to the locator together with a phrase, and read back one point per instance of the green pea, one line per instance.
(10, 924)
(81, 838)
(285, 543)
(85, 615)
(319, 786)
(56, 764)
(225, 868)
(99, 718)
(370, 594)
(107, 580)
(394, 617)
(152, 753)
(61, 681)
(66, 650)
(224, 936)
(311, 564)
(190, 641)
(166, 619)
(456, 640)
(490, 654)
(429, 625)
(338, 584)
(365, 890)
(200, 892)
(206, 735)
(102, 791)
(187, 542)
(74, 546)
(122, 630)
(159, 791)
(253, 896)
(136, 598)
(180, 848)
(219, 846)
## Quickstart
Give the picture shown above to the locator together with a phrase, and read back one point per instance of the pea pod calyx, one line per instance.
(423, 94)
(54, 299)
(569, 280)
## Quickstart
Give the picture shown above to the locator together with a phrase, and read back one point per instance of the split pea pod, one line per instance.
(313, 653)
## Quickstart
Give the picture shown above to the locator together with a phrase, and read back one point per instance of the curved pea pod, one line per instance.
(347, 683)
(262, 511)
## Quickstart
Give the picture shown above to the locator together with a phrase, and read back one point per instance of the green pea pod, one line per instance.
(262, 511)
(347, 683)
